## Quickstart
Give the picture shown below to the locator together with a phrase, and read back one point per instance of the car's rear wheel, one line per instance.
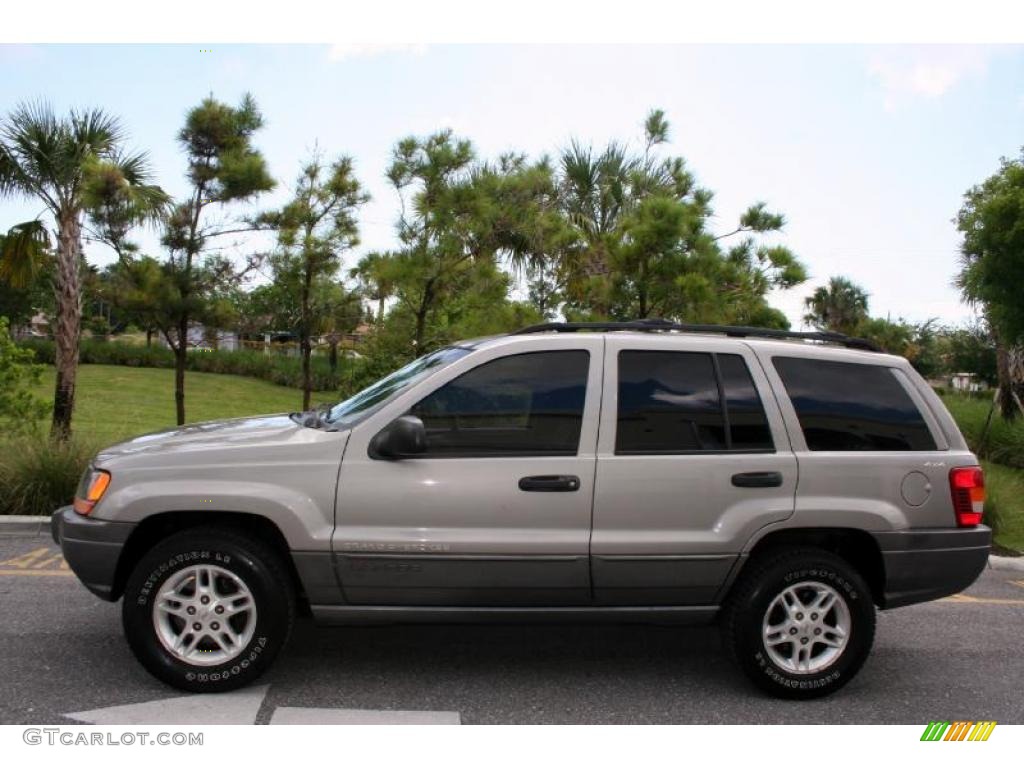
(800, 623)
(208, 609)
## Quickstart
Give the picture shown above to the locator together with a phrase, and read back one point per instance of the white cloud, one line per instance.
(925, 71)
(341, 51)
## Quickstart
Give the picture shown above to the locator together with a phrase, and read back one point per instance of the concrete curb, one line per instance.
(24, 525)
(1006, 563)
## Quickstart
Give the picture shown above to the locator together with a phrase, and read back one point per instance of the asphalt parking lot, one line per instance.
(61, 652)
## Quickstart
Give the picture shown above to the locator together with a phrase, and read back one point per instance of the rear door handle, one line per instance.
(550, 483)
(757, 479)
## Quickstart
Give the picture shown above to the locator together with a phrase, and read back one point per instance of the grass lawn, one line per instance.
(1004, 493)
(1003, 461)
(115, 402)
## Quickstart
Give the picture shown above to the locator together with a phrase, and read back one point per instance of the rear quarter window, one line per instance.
(852, 407)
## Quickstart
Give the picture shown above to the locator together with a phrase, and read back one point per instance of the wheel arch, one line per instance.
(858, 548)
(156, 528)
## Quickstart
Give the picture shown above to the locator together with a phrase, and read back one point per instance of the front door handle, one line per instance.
(549, 483)
(757, 479)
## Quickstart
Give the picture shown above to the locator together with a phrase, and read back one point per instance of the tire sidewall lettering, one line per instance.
(758, 663)
(236, 668)
(159, 574)
(255, 568)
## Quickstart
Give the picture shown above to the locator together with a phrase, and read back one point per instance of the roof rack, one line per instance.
(740, 331)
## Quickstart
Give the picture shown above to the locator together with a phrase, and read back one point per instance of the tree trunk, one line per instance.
(421, 323)
(644, 309)
(180, 361)
(1010, 369)
(307, 374)
(421, 315)
(149, 338)
(305, 348)
(68, 324)
(333, 359)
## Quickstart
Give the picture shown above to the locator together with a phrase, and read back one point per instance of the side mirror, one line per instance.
(401, 439)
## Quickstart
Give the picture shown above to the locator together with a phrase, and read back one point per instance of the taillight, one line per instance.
(90, 490)
(967, 485)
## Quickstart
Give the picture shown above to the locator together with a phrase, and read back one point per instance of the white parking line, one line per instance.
(241, 708)
(315, 716)
(235, 708)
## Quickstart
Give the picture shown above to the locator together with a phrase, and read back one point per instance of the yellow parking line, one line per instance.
(35, 572)
(29, 559)
(982, 600)
(42, 560)
(54, 562)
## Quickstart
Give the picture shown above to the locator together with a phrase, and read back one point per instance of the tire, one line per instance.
(212, 575)
(825, 652)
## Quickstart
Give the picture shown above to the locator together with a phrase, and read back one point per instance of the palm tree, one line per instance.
(840, 306)
(376, 280)
(69, 164)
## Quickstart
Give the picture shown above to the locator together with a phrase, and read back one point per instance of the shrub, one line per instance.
(20, 409)
(275, 368)
(1004, 443)
(1004, 505)
(37, 474)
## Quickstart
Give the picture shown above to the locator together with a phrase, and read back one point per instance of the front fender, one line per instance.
(305, 521)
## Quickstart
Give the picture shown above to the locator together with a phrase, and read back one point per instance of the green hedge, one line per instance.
(275, 368)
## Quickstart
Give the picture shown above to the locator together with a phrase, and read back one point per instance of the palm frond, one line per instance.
(31, 138)
(23, 253)
(95, 131)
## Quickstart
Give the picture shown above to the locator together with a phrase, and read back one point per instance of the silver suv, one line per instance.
(783, 484)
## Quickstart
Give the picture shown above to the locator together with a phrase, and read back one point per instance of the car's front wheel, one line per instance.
(800, 623)
(207, 610)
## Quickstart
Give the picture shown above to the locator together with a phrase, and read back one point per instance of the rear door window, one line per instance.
(687, 402)
(852, 407)
(748, 424)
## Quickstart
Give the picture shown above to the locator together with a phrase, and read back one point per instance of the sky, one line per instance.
(866, 150)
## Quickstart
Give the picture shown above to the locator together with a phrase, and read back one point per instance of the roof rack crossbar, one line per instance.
(737, 331)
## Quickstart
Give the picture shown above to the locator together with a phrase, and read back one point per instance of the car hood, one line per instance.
(245, 432)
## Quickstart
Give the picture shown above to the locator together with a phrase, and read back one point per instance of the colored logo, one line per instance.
(961, 730)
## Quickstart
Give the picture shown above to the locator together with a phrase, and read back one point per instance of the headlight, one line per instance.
(91, 489)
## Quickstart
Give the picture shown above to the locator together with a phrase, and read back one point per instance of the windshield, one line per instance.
(364, 403)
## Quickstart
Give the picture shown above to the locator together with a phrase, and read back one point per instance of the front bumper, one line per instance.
(92, 548)
(925, 564)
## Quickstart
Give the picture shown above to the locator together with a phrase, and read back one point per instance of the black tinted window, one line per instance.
(519, 405)
(852, 407)
(748, 424)
(668, 402)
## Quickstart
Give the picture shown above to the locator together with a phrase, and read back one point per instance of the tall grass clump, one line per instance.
(1004, 496)
(1004, 442)
(38, 475)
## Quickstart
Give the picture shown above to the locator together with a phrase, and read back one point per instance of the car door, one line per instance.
(693, 458)
(496, 512)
